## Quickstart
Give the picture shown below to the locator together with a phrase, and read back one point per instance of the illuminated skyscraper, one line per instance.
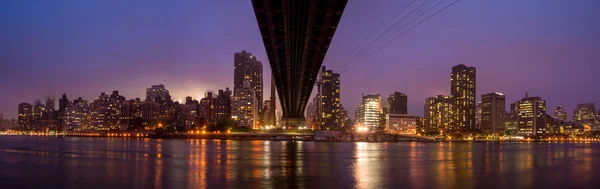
(370, 111)
(99, 110)
(248, 68)
(77, 115)
(438, 114)
(39, 110)
(584, 114)
(25, 116)
(330, 99)
(532, 116)
(462, 82)
(397, 103)
(493, 113)
(560, 114)
(244, 110)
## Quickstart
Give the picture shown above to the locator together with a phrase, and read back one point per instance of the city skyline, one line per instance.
(79, 66)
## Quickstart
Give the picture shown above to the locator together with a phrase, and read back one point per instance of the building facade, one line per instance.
(77, 115)
(584, 114)
(560, 114)
(25, 119)
(438, 114)
(401, 124)
(330, 99)
(370, 112)
(462, 90)
(215, 107)
(248, 69)
(397, 103)
(158, 93)
(532, 116)
(493, 113)
(244, 110)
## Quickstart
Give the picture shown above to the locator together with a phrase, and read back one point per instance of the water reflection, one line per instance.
(39, 162)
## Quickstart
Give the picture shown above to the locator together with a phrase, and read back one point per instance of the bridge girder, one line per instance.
(296, 35)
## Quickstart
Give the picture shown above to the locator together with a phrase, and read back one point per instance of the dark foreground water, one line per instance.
(87, 163)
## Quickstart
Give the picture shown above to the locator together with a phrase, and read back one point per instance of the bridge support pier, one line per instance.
(294, 123)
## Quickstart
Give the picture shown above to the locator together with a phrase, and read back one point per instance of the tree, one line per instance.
(224, 124)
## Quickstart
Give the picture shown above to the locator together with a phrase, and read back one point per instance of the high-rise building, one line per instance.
(462, 90)
(493, 113)
(39, 111)
(560, 114)
(215, 108)
(25, 116)
(158, 93)
(63, 102)
(50, 104)
(190, 112)
(532, 116)
(478, 115)
(77, 115)
(248, 69)
(511, 124)
(397, 103)
(131, 115)
(99, 110)
(438, 114)
(330, 99)
(584, 114)
(370, 112)
(244, 109)
(115, 105)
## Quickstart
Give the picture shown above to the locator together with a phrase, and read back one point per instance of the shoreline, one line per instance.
(266, 138)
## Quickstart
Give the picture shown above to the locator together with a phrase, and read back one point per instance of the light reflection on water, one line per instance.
(50, 162)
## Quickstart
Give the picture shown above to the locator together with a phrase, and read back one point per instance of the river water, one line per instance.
(88, 163)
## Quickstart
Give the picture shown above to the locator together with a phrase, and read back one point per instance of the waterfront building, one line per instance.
(370, 112)
(532, 116)
(245, 107)
(248, 69)
(190, 112)
(99, 110)
(401, 124)
(25, 116)
(39, 111)
(77, 115)
(493, 113)
(438, 114)
(560, 114)
(330, 99)
(462, 90)
(215, 108)
(397, 103)
(584, 114)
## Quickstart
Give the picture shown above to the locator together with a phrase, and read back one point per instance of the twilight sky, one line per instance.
(549, 48)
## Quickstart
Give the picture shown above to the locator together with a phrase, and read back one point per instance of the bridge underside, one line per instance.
(296, 35)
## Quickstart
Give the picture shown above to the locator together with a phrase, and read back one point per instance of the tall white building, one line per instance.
(370, 111)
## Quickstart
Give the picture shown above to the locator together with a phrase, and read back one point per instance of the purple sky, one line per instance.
(550, 48)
